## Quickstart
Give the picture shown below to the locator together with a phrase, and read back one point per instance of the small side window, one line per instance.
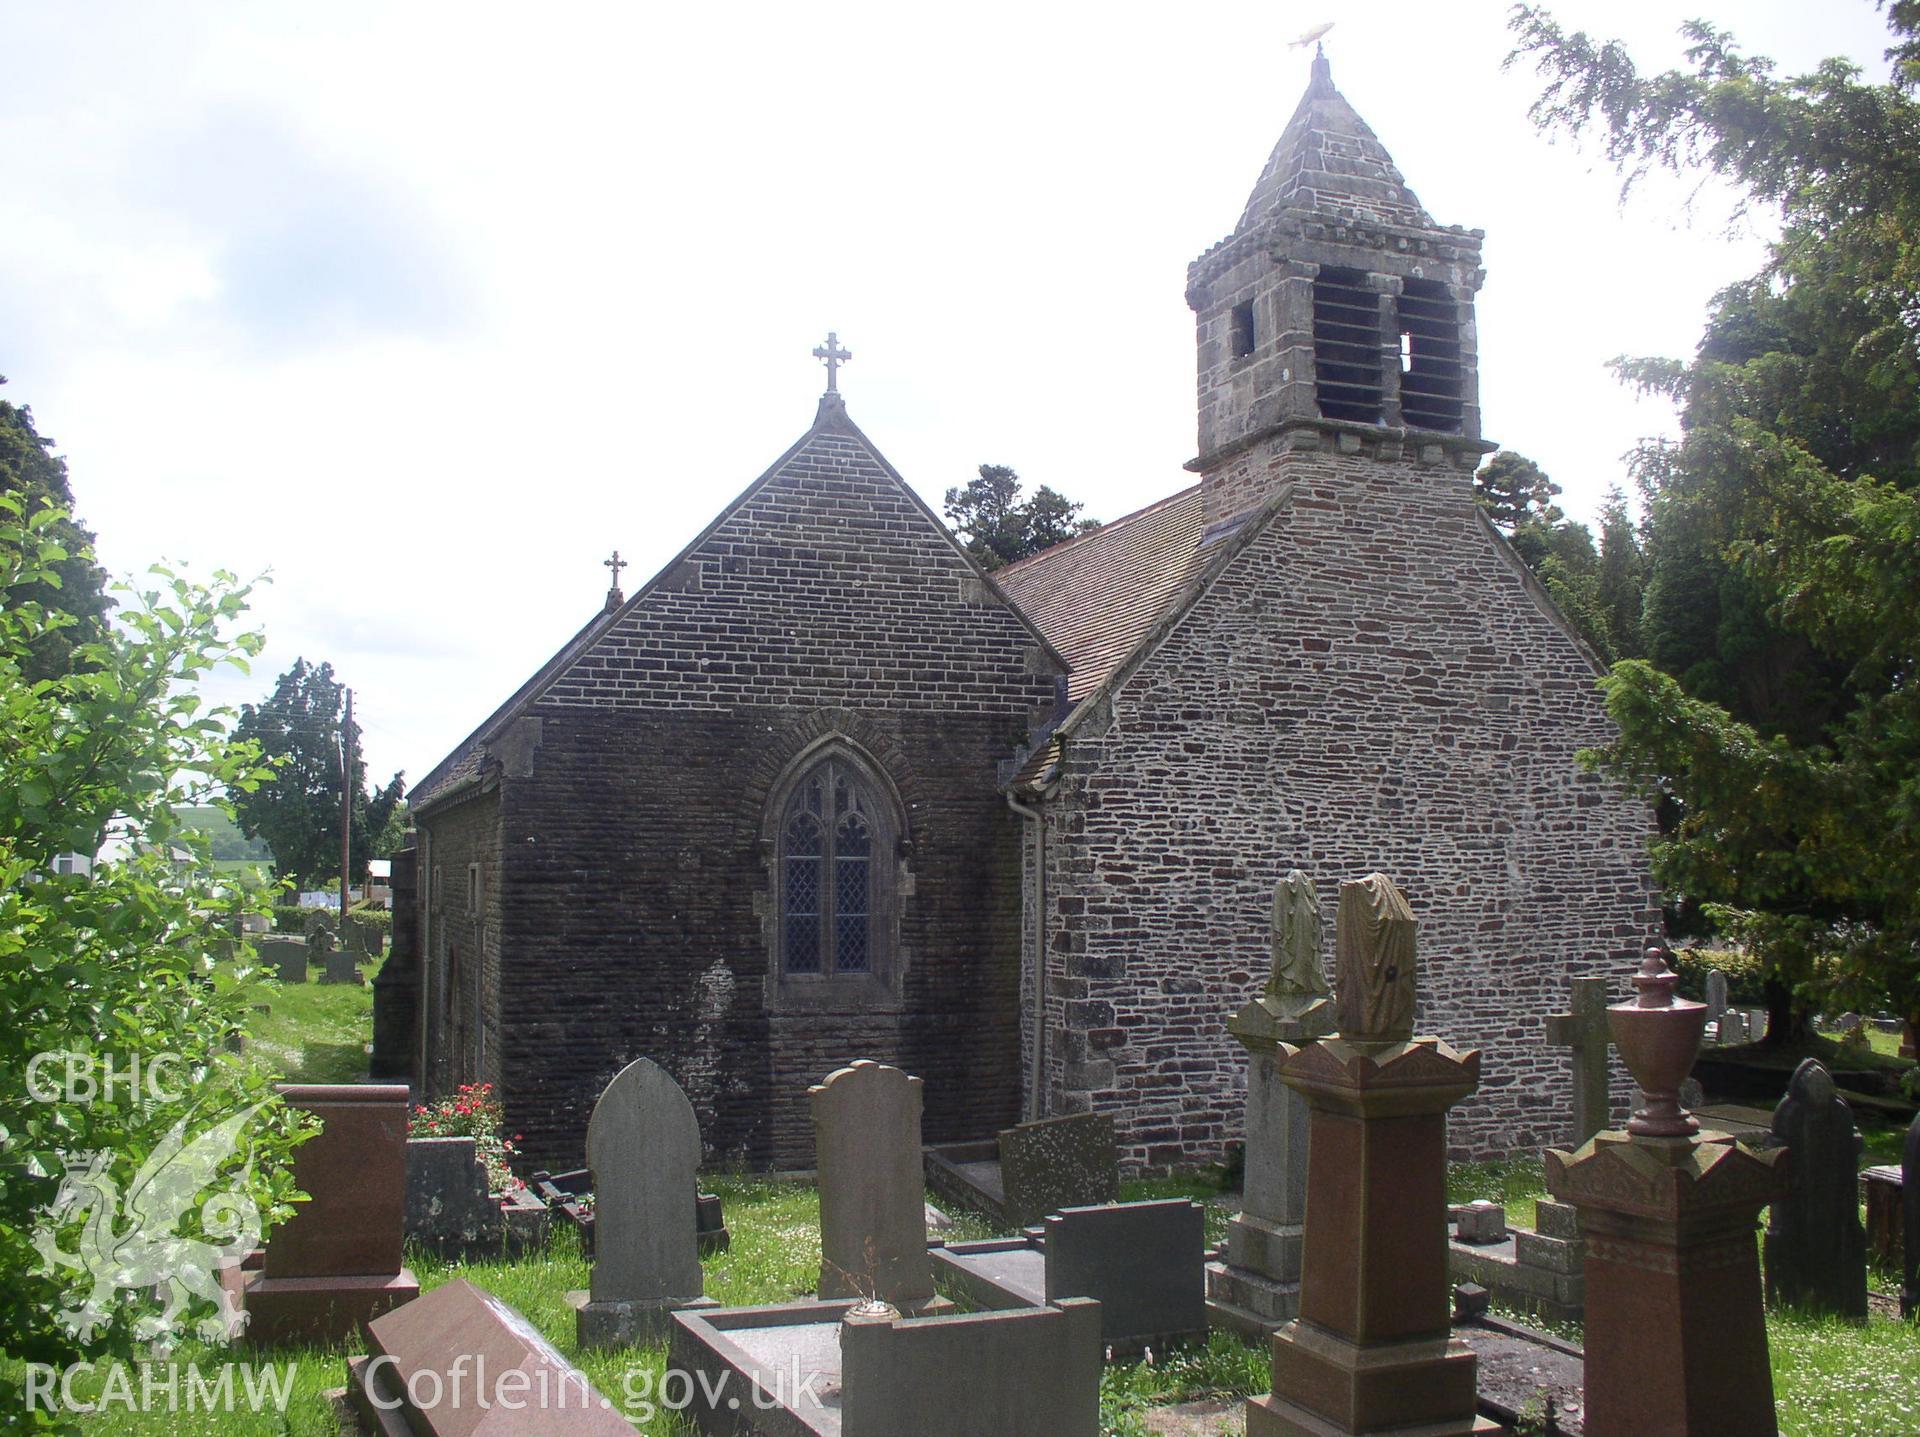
(1243, 337)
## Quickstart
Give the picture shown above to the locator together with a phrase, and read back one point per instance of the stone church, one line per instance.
(821, 789)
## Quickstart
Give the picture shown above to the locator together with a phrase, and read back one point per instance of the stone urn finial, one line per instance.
(1659, 1036)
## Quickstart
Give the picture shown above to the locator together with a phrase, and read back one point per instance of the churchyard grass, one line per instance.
(313, 1032)
(1517, 1184)
(1832, 1379)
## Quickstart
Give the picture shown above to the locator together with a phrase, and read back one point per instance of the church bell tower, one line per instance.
(1336, 319)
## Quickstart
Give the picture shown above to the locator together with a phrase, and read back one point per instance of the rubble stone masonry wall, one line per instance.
(1369, 684)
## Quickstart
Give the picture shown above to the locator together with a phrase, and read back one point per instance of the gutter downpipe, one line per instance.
(1036, 1076)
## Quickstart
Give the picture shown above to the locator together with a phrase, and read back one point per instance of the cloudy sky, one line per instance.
(423, 308)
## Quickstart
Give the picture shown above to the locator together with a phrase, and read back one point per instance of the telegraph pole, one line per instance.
(346, 812)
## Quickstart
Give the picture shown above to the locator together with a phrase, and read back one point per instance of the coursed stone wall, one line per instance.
(1369, 684)
(827, 607)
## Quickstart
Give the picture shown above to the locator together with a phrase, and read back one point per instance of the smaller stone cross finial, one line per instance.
(614, 597)
(1584, 1030)
(834, 356)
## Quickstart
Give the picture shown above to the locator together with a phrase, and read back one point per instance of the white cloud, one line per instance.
(428, 307)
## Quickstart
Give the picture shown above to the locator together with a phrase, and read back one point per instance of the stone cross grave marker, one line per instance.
(1584, 1031)
(643, 1148)
(1816, 1249)
(873, 1195)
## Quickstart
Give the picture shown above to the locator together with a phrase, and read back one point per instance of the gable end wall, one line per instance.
(1367, 686)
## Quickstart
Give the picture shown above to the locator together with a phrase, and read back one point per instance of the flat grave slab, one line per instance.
(1519, 1369)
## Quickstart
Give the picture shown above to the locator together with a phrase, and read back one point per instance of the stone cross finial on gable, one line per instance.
(834, 356)
(1584, 1030)
(614, 597)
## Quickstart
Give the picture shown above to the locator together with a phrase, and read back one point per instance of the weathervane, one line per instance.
(835, 356)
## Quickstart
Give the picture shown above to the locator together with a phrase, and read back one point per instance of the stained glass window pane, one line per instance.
(801, 919)
(852, 905)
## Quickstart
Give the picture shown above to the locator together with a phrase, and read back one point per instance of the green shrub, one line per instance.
(373, 917)
(1745, 975)
(117, 967)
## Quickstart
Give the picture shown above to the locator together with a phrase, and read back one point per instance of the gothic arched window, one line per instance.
(834, 877)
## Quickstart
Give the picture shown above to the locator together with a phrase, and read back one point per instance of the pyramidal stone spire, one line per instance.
(1329, 160)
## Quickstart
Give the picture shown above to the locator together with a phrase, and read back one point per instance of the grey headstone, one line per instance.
(873, 1194)
(1910, 1221)
(1058, 1163)
(343, 966)
(1756, 1024)
(449, 1211)
(1716, 994)
(287, 957)
(1816, 1249)
(643, 1149)
(1142, 1262)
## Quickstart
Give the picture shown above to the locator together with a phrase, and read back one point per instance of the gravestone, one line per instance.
(643, 1149)
(1372, 1348)
(450, 1213)
(815, 1369)
(1910, 1222)
(1816, 1250)
(287, 957)
(1584, 1031)
(1140, 1261)
(1676, 1331)
(337, 1262)
(1716, 997)
(873, 1196)
(459, 1362)
(1057, 1163)
(1731, 1029)
(1756, 1024)
(343, 964)
(1257, 1287)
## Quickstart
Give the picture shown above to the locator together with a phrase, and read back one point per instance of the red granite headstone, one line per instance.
(336, 1263)
(459, 1362)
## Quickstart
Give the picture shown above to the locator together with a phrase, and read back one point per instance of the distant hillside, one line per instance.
(229, 843)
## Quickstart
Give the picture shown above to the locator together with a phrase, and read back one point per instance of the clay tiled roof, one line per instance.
(1096, 597)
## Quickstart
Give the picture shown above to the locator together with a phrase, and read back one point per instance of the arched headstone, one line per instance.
(643, 1147)
(1816, 1249)
(873, 1199)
